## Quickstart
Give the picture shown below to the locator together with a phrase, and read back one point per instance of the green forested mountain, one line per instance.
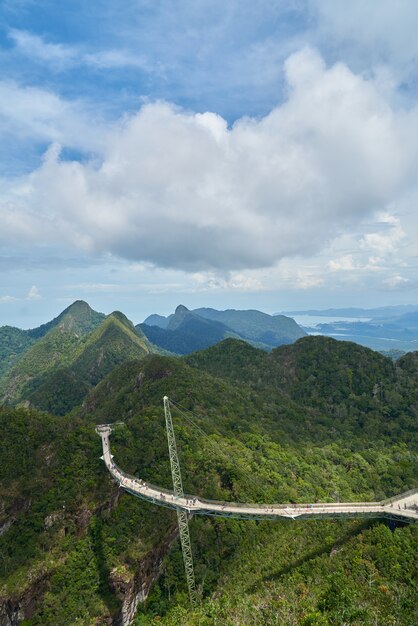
(113, 342)
(53, 345)
(264, 329)
(13, 342)
(343, 382)
(70, 356)
(76, 551)
(409, 364)
(78, 316)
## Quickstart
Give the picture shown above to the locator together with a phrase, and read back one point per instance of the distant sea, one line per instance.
(312, 321)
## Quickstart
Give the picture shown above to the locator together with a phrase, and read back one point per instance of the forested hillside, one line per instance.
(319, 420)
(53, 367)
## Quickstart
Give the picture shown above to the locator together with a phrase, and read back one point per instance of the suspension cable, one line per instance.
(257, 482)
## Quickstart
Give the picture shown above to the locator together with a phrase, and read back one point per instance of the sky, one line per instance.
(235, 154)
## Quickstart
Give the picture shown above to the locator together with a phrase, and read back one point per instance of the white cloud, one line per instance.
(34, 46)
(344, 263)
(183, 190)
(93, 287)
(395, 282)
(375, 33)
(31, 113)
(235, 281)
(62, 57)
(387, 241)
(306, 279)
(33, 293)
(7, 299)
(108, 59)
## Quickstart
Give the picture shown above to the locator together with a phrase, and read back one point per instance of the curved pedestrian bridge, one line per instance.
(403, 507)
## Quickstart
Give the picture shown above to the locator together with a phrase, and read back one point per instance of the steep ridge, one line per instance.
(157, 320)
(57, 344)
(13, 343)
(113, 342)
(78, 315)
(70, 356)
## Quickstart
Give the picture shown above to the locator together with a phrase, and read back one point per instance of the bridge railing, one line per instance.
(139, 481)
(284, 505)
(400, 496)
(210, 502)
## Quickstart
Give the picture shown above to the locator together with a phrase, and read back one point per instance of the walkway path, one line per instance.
(404, 506)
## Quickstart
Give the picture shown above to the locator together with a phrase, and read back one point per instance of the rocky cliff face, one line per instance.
(10, 615)
(132, 593)
(14, 610)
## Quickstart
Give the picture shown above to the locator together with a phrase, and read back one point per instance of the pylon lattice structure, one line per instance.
(182, 515)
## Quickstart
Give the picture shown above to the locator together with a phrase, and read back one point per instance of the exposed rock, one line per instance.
(136, 590)
(51, 519)
(10, 615)
(5, 527)
(14, 610)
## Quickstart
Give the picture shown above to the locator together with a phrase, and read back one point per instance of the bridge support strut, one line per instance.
(182, 515)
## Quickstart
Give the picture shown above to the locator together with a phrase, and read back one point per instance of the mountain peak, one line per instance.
(78, 315)
(121, 317)
(181, 310)
(180, 315)
(78, 306)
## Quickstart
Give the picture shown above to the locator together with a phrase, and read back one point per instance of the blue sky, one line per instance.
(254, 154)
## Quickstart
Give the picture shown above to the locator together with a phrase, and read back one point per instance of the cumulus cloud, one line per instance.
(342, 264)
(7, 299)
(33, 293)
(182, 190)
(235, 281)
(395, 282)
(383, 32)
(386, 241)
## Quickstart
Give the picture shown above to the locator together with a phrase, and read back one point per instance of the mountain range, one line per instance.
(315, 420)
(186, 331)
(54, 366)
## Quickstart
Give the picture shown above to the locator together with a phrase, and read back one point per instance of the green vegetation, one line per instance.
(312, 574)
(78, 315)
(72, 354)
(318, 420)
(112, 343)
(68, 531)
(56, 344)
(13, 342)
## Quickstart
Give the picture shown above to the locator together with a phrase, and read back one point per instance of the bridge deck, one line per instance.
(403, 507)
